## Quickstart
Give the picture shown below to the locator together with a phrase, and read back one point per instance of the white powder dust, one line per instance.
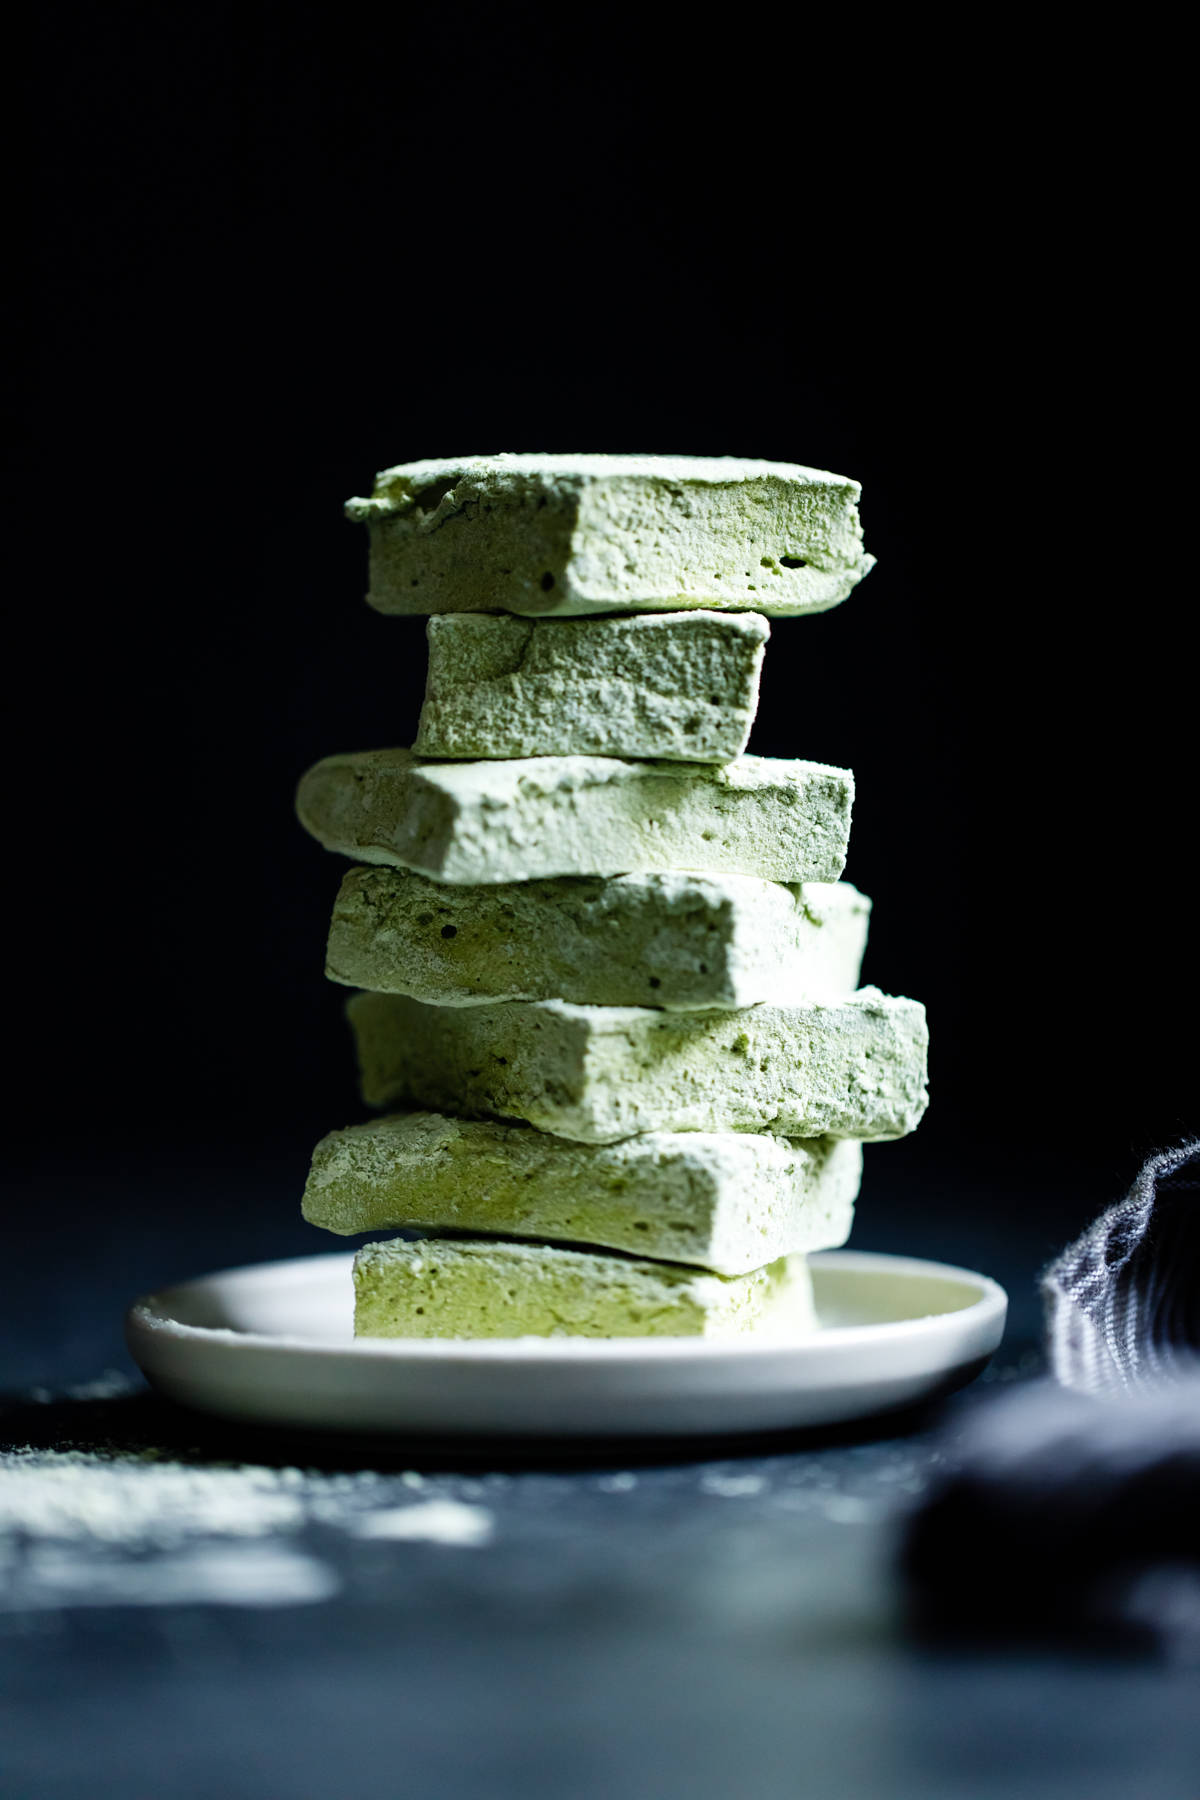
(269, 1573)
(435, 1521)
(731, 1487)
(139, 1501)
(87, 1528)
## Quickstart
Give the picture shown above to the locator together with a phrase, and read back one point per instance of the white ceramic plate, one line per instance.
(273, 1343)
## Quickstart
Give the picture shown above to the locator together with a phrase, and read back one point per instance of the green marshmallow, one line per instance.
(473, 1288)
(604, 534)
(723, 1200)
(681, 686)
(850, 1068)
(662, 939)
(580, 815)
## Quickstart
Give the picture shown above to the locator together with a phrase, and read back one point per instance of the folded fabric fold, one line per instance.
(1071, 1506)
(1123, 1301)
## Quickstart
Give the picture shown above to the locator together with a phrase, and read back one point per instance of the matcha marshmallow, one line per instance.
(851, 1068)
(473, 1288)
(683, 686)
(605, 534)
(729, 1201)
(665, 939)
(580, 815)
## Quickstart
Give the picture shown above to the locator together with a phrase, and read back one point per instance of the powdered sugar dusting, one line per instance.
(436, 1521)
(138, 1528)
(269, 1573)
(139, 1500)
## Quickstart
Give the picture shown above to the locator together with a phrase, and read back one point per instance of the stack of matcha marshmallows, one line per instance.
(609, 974)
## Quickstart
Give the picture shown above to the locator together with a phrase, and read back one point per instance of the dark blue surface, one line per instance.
(704, 1622)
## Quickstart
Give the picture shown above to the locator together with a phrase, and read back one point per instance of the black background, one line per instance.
(261, 252)
(274, 248)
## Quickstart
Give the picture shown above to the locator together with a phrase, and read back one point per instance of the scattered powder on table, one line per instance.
(86, 1528)
(731, 1487)
(621, 1483)
(140, 1501)
(229, 1572)
(437, 1521)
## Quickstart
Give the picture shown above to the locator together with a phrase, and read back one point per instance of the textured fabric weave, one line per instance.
(1072, 1505)
(1123, 1301)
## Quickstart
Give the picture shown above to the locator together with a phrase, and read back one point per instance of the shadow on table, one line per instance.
(144, 1424)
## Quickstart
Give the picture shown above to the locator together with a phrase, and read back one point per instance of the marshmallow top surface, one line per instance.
(395, 486)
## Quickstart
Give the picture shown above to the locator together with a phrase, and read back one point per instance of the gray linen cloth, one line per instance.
(1072, 1505)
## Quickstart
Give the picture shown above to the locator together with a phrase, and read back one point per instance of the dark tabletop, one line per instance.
(662, 1620)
